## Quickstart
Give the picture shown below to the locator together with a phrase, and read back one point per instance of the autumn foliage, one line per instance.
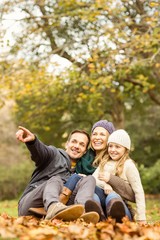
(31, 228)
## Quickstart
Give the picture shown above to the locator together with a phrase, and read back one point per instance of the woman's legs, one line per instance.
(101, 195)
(72, 181)
(68, 188)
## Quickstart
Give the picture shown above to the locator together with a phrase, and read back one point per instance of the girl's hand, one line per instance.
(108, 189)
(105, 177)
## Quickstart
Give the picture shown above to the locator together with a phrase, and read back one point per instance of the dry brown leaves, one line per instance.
(31, 228)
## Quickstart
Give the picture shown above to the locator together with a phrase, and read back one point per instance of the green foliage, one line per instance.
(151, 178)
(144, 129)
(114, 45)
(114, 51)
(56, 105)
(13, 180)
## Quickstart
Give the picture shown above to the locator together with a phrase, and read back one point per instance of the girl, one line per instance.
(116, 161)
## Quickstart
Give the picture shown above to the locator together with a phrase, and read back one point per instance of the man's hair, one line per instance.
(80, 131)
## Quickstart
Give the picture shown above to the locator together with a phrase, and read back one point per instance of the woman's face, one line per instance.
(99, 138)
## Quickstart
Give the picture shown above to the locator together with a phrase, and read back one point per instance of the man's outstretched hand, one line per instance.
(24, 135)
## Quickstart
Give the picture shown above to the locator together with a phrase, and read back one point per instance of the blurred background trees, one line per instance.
(108, 67)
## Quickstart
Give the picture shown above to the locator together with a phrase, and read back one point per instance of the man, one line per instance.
(53, 168)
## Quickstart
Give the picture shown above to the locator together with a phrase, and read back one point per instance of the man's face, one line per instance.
(76, 146)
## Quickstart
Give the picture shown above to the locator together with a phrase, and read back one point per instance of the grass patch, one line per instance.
(152, 208)
(10, 207)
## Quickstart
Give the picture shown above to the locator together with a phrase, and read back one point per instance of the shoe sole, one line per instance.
(117, 211)
(90, 217)
(70, 214)
(93, 206)
(38, 211)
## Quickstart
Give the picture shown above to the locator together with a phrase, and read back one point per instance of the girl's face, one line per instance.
(116, 151)
(99, 138)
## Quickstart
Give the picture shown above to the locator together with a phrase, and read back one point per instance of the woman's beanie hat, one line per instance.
(120, 137)
(104, 124)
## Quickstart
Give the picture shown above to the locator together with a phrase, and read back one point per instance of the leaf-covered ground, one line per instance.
(31, 228)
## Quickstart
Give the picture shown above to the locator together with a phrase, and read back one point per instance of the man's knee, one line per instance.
(90, 179)
(23, 208)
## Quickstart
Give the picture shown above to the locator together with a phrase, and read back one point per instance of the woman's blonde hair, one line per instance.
(103, 157)
(99, 157)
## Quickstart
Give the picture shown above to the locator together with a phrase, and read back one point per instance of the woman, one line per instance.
(99, 136)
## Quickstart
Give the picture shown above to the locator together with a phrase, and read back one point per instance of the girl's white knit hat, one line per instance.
(120, 137)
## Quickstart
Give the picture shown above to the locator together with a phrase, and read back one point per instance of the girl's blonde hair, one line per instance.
(103, 157)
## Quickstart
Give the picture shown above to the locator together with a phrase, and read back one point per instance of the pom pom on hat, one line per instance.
(120, 137)
(104, 124)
